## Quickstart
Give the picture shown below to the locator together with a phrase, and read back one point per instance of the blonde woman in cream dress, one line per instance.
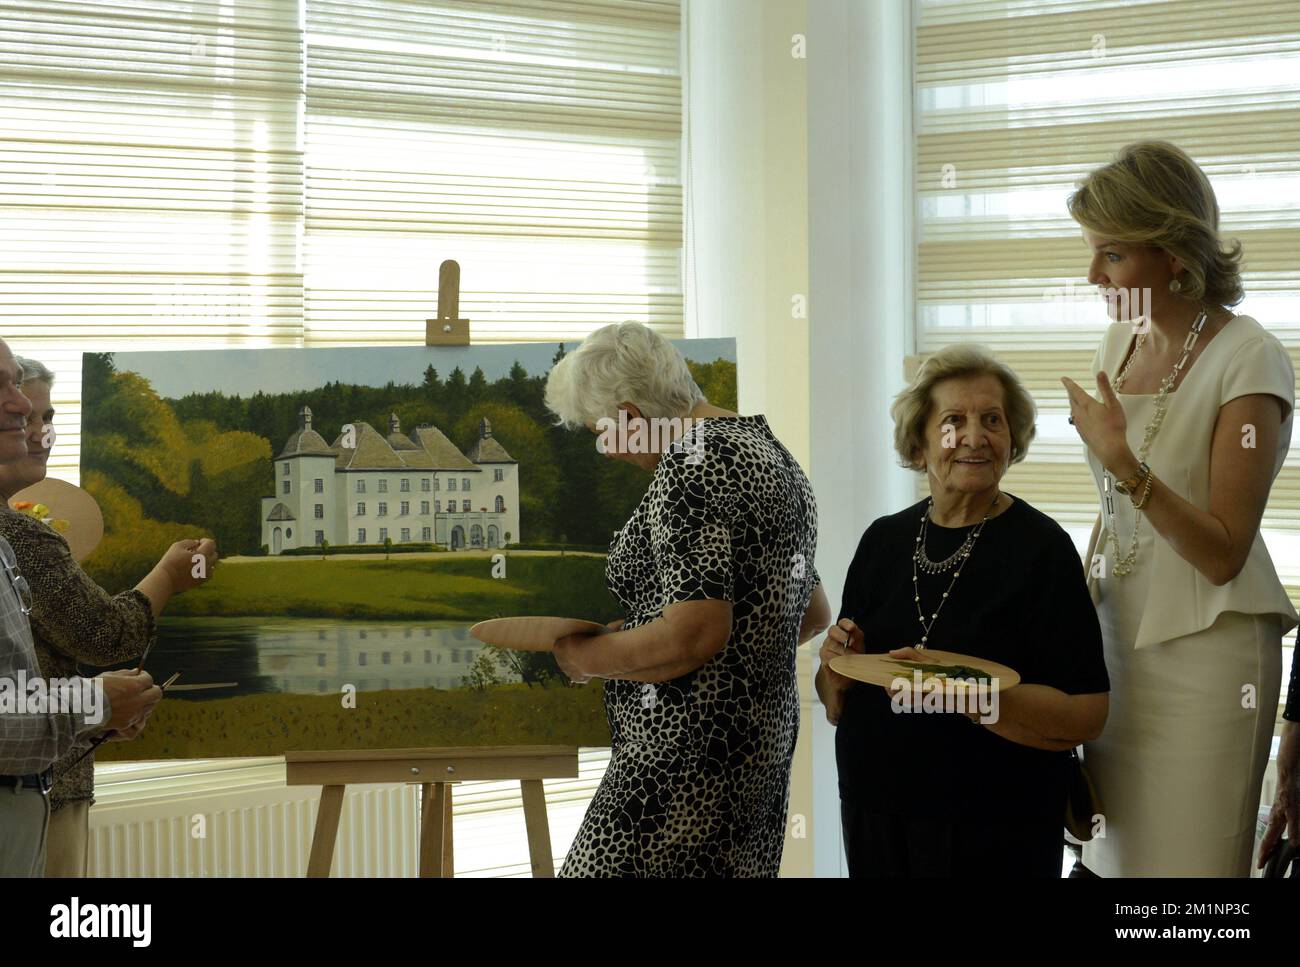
(1193, 633)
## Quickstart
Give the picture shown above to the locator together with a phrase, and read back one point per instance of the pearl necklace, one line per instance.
(919, 557)
(1124, 563)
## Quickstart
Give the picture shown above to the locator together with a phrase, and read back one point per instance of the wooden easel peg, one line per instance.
(448, 329)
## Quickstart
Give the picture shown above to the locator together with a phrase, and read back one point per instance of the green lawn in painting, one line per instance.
(256, 725)
(436, 587)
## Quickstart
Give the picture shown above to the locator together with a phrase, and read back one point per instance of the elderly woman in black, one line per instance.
(74, 620)
(974, 570)
(715, 571)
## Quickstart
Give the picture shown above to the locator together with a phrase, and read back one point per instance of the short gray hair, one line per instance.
(911, 407)
(35, 372)
(622, 361)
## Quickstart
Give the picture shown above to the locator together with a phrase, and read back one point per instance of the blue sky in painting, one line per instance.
(242, 372)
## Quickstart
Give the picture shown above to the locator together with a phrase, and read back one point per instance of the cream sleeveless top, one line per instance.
(1241, 360)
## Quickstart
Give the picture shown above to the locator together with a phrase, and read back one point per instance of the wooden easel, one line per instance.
(333, 771)
(435, 770)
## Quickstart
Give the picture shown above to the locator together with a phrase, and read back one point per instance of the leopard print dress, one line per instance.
(699, 773)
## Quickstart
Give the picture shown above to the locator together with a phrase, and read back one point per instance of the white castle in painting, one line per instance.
(416, 488)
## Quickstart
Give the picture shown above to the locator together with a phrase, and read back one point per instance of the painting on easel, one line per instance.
(370, 505)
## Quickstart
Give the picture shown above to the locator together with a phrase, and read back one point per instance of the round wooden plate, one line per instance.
(881, 669)
(69, 502)
(532, 633)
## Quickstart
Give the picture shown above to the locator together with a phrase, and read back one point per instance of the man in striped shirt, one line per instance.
(40, 721)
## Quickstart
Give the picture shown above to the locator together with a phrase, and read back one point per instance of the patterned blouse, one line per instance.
(698, 782)
(73, 620)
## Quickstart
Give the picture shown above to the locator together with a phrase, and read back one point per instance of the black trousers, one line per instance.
(887, 845)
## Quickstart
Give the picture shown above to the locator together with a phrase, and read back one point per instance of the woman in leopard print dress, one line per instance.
(715, 571)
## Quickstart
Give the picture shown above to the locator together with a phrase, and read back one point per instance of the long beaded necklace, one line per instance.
(957, 558)
(1124, 563)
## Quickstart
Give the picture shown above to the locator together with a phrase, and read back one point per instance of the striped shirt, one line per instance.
(29, 741)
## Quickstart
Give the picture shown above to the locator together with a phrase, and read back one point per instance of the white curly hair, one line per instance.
(625, 361)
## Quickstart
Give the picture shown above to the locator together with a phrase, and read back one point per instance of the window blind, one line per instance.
(180, 173)
(537, 143)
(150, 181)
(1015, 101)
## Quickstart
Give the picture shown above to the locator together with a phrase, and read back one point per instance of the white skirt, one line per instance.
(1179, 766)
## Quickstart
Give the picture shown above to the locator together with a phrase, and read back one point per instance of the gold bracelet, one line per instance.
(1146, 493)
(1129, 485)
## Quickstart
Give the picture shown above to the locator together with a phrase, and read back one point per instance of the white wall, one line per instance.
(860, 253)
(745, 166)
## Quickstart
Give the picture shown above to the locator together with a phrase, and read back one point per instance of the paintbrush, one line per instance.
(99, 740)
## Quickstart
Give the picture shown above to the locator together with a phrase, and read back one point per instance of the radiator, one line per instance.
(252, 834)
(192, 827)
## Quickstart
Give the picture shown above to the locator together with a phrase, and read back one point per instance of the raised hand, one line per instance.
(1102, 425)
(188, 564)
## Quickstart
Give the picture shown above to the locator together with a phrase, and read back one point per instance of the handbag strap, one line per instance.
(1285, 857)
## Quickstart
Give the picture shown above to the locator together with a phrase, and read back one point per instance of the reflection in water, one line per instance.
(312, 656)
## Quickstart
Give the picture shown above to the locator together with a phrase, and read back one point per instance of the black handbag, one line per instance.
(1284, 863)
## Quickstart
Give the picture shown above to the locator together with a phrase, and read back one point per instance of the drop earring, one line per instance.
(1175, 286)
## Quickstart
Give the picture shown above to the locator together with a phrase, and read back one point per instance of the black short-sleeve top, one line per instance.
(1021, 600)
